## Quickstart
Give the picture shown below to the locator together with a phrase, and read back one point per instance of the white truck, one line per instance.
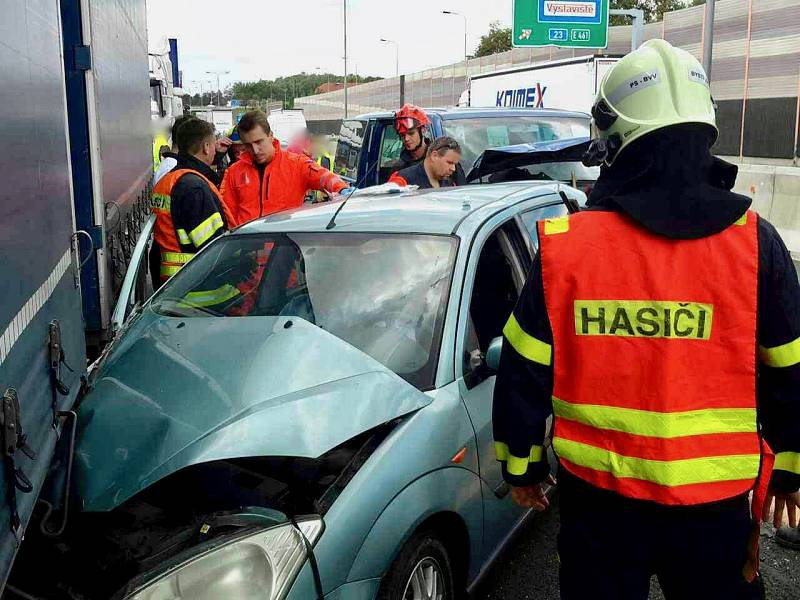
(569, 84)
(287, 123)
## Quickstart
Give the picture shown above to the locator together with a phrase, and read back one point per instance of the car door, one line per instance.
(349, 150)
(136, 286)
(495, 277)
(385, 147)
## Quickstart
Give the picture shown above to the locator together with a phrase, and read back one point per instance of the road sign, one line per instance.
(564, 23)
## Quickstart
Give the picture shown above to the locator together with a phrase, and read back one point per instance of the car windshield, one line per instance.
(385, 294)
(478, 134)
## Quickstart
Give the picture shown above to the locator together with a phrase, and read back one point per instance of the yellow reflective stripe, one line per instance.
(169, 270)
(742, 220)
(514, 464)
(176, 257)
(527, 345)
(669, 473)
(161, 202)
(201, 234)
(211, 297)
(183, 237)
(787, 355)
(788, 461)
(657, 424)
(557, 225)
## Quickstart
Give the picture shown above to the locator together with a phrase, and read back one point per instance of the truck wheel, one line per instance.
(422, 571)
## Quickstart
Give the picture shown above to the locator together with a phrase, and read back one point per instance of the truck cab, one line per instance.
(369, 145)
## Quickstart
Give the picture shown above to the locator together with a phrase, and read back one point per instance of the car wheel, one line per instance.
(422, 571)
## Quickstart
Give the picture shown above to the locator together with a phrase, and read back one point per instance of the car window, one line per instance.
(531, 217)
(499, 279)
(351, 139)
(385, 294)
(389, 152)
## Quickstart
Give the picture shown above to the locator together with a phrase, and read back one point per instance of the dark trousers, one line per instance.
(610, 547)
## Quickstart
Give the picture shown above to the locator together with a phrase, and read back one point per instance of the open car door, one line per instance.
(135, 287)
(505, 163)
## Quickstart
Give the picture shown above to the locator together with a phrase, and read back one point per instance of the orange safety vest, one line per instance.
(654, 343)
(170, 239)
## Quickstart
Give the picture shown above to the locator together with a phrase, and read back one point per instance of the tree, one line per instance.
(286, 89)
(653, 9)
(497, 40)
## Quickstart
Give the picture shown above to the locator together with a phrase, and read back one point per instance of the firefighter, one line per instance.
(438, 168)
(414, 128)
(661, 329)
(267, 179)
(413, 125)
(188, 206)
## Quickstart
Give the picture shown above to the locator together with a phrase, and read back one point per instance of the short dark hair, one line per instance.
(173, 134)
(442, 144)
(192, 134)
(250, 120)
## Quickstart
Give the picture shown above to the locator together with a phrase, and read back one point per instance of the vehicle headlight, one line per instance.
(261, 566)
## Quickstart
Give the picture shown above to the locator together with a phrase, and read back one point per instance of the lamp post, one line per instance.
(458, 14)
(194, 86)
(708, 38)
(219, 90)
(344, 3)
(396, 55)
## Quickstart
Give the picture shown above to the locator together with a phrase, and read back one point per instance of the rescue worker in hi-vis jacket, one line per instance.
(661, 329)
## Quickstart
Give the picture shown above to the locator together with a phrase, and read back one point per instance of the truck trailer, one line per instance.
(569, 84)
(76, 116)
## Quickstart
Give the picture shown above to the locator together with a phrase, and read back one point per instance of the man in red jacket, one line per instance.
(267, 179)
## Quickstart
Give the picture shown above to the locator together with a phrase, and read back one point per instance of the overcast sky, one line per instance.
(264, 39)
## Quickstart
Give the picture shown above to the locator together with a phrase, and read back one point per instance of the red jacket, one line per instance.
(289, 176)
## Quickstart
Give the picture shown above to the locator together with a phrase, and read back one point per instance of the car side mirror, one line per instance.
(493, 354)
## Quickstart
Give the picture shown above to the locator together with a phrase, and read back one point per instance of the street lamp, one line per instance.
(219, 90)
(194, 85)
(210, 92)
(458, 14)
(396, 55)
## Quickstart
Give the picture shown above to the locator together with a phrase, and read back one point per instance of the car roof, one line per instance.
(439, 211)
(453, 113)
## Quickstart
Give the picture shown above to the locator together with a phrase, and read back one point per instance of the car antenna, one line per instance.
(332, 223)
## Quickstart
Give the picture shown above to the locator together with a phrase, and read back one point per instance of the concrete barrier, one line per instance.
(775, 191)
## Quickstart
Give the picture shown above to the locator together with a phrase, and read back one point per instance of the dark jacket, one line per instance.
(193, 202)
(678, 190)
(416, 175)
(406, 161)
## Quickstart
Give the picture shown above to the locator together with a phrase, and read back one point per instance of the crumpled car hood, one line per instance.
(177, 392)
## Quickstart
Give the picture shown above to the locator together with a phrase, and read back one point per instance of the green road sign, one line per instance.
(564, 23)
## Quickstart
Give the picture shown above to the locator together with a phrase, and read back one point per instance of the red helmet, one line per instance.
(410, 117)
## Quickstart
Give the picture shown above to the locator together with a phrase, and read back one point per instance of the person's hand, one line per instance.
(223, 144)
(533, 496)
(783, 502)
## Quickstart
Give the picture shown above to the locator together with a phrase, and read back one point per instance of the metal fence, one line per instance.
(755, 74)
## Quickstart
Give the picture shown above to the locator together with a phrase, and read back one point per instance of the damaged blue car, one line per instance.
(303, 411)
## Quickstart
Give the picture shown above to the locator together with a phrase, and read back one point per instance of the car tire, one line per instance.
(422, 560)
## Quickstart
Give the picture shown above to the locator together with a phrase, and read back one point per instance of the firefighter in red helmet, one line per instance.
(414, 127)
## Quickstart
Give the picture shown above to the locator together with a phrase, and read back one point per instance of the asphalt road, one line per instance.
(528, 569)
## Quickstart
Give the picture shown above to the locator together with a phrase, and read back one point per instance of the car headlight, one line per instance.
(261, 566)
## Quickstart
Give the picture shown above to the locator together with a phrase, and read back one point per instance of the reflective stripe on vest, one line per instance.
(171, 239)
(654, 353)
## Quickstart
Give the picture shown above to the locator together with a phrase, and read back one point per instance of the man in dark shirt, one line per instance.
(187, 203)
(437, 170)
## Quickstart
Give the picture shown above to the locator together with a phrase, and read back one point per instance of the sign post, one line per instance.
(563, 23)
